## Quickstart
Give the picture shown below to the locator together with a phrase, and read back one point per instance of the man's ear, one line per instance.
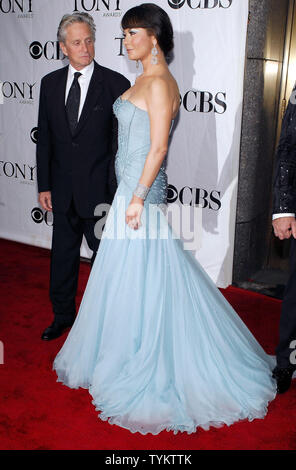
(63, 48)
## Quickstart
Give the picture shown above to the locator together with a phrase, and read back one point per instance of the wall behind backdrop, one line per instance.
(208, 64)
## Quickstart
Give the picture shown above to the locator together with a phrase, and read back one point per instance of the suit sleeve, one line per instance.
(284, 190)
(43, 151)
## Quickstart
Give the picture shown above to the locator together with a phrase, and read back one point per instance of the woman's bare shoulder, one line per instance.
(164, 85)
(161, 89)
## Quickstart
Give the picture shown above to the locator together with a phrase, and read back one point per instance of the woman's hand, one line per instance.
(133, 213)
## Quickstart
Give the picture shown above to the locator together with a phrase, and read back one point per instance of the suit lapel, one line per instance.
(94, 91)
(61, 108)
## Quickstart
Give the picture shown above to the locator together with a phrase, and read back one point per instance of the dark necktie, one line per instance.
(73, 101)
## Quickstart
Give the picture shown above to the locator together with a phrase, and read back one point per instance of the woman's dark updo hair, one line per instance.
(155, 20)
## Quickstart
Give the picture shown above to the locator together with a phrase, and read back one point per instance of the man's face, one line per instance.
(79, 45)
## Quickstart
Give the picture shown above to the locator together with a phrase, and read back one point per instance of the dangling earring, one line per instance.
(154, 53)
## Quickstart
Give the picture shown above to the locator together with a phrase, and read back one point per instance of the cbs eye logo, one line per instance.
(203, 4)
(39, 216)
(176, 3)
(50, 50)
(34, 135)
(36, 50)
(172, 193)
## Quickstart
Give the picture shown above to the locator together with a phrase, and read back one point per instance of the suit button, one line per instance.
(74, 144)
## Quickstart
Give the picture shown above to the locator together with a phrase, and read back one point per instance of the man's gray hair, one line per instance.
(79, 17)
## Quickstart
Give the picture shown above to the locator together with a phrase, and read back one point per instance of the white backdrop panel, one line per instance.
(208, 64)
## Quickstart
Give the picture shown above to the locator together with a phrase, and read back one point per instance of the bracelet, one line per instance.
(141, 191)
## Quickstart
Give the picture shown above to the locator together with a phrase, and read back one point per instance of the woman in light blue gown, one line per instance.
(155, 341)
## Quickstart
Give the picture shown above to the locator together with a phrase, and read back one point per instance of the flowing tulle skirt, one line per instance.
(155, 341)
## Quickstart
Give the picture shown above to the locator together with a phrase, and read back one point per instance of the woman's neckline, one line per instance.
(129, 101)
(133, 104)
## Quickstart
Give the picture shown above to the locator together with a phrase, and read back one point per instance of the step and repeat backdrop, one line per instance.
(208, 64)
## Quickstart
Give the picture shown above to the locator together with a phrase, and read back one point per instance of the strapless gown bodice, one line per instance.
(133, 146)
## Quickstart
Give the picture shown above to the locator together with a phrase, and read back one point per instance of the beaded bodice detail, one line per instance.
(133, 147)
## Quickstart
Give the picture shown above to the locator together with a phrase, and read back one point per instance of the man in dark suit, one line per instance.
(284, 225)
(77, 136)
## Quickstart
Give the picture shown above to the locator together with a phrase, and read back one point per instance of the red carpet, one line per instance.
(38, 413)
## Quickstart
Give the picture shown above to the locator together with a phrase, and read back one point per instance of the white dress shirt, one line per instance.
(278, 216)
(83, 80)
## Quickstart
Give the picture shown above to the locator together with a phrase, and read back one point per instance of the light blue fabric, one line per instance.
(155, 341)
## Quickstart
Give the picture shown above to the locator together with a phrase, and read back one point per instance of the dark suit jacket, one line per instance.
(79, 166)
(284, 194)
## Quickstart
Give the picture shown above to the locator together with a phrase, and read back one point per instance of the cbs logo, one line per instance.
(51, 50)
(39, 216)
(176, 3)
(34, 135)
(202, 4)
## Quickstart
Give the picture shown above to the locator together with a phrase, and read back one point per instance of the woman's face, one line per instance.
(138, 43)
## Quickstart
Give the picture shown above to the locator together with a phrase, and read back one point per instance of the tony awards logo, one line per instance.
(22, 7)
(22, 172)
(22, 91)
(108, 7)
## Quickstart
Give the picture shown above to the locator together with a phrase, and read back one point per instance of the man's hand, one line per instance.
(284, 226)
(45, 200)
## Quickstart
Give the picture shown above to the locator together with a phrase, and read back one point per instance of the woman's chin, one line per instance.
(132, 57)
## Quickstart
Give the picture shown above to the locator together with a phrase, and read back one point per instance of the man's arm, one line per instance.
(43, 153)
(284, 190)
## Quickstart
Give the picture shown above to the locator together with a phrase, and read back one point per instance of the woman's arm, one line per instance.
(160, 109)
